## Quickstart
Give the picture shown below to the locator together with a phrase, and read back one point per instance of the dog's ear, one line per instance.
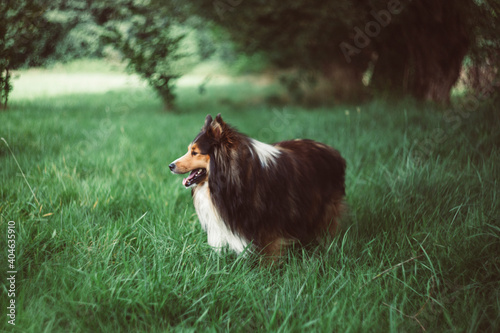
(208, 121)
(214, 128)
(218, 119)
(218, 127)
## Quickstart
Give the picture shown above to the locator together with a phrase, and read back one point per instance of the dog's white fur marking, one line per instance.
(219, 235)
(267, 153)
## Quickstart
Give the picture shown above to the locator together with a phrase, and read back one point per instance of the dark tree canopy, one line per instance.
(409, 47)
(422, 52)
(303, 35)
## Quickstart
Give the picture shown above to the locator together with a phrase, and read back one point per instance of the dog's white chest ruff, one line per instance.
(219, 235)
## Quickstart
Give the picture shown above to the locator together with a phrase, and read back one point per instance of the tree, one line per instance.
(29, 33)
(410, 47)
(301, 35)
(150, 35)
(422, 51)
(152, 38)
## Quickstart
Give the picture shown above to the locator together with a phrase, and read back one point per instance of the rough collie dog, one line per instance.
(250, 194)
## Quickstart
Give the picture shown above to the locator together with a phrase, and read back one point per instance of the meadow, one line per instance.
(107, 240)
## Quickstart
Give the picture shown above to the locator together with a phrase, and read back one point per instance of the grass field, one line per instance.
(107, 240)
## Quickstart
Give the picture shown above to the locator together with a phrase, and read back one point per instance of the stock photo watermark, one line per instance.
(11, 272)
(281, 121)
(362, 38)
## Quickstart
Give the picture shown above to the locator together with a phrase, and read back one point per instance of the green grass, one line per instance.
(110, 240)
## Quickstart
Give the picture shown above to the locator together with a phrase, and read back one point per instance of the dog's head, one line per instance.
(197, 159)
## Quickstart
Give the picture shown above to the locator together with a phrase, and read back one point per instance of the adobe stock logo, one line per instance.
(362, 38)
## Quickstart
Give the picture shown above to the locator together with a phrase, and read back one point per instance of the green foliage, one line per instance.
(114, 244)
(29, 33)
(83, 41)
(151, 39)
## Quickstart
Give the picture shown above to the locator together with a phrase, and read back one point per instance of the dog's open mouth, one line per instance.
(194, 177)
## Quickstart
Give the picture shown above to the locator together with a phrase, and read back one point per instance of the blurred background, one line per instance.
(314, 53)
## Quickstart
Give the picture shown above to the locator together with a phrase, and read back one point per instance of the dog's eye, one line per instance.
(193, 153)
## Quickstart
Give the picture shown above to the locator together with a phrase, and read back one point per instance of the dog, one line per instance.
(250, 195)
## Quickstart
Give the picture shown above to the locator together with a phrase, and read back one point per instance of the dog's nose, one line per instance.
(172, 166)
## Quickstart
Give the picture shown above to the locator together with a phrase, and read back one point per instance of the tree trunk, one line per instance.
(426, 59)
(390, 72)
(5, 87)
(436, 52)
(346, 82)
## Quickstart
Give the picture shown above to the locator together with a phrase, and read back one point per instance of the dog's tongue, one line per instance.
(188, 179)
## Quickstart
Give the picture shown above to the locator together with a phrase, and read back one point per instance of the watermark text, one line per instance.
(11, 272)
